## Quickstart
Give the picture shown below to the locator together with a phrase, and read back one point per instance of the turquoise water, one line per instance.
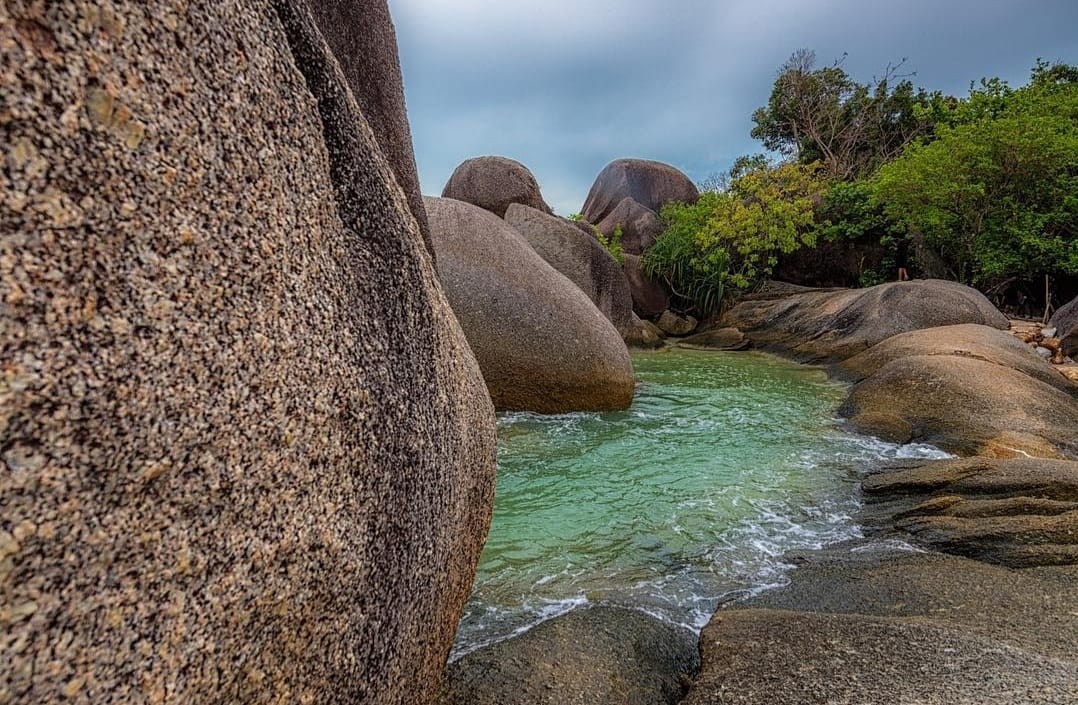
(724, 462)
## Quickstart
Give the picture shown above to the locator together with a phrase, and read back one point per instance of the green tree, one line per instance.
(821, 114)
(732, 238)
(996, 193)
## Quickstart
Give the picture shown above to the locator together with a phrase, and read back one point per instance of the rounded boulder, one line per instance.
(493, 184)
(651, 184)
(580, 258)
(234, 470)
(640, 226)
(541, 343)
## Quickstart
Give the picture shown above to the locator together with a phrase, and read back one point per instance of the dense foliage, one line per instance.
(732, 238)
(984, 189)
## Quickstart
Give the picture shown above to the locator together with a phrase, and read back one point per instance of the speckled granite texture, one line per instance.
(247, 455)
(361, 36)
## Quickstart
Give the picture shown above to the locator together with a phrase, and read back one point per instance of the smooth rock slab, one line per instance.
(541, 343)
(780, 657)
(597, 656)
(831, 325)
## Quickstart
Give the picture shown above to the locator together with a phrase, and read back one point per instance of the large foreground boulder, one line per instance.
(640, 226)
(597, 656)
(541, 343)
(362, 39)
(247, 454)
(1065, 321)
(493, 184)
(579, 257)
(649, 183)
(830, 325)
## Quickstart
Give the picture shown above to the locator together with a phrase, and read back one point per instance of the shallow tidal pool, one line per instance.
(723, 463)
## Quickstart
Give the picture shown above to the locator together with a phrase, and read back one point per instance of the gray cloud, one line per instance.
(565, 86)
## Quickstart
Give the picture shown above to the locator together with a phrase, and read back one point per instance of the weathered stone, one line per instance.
(716, 339)
(541, 343)
(678, 324)
(248, 456)
(782, 657)
(651, 184)
(1065, 323)
(967, 406)
(580, 258)
(966, 340)
(597, 656)
(649, 297)
(1016, 512)
(362, 39)
(493, 184)
(640, 226)
(833, 324)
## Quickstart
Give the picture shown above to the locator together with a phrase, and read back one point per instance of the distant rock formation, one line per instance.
(651, 184)
(640, 226)
(248, 456)
(541, 343)
(493, 184)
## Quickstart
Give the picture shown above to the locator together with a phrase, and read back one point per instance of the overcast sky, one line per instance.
(566, 86)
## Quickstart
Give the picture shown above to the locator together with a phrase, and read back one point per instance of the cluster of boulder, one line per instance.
(546, 308)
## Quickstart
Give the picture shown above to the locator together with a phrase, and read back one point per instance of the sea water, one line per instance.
(723, 463)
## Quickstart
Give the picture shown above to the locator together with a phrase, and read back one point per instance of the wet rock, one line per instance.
(649, 183)
(597, 656)
(541, 343)
(580, 258)
(493, 184)
(716, 339)
(822, 326)
(248, 455)
(1018, 512)
(675, 323)
(644, 334)
(640, 226)
(966, 406)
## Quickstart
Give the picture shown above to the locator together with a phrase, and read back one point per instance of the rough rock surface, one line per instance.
(830, 325)
(716, 339)
(541, 343)
(597, 656)
(649, 297)
(887, 627)
(234, 469)
(651, 184)
(1065, 321)
(640, 226)
(362, 38)
(675, 323)
(1018, 512)
(493, 184)
(966, 406)
(580, 258)
(966, 340)
(644, 334)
